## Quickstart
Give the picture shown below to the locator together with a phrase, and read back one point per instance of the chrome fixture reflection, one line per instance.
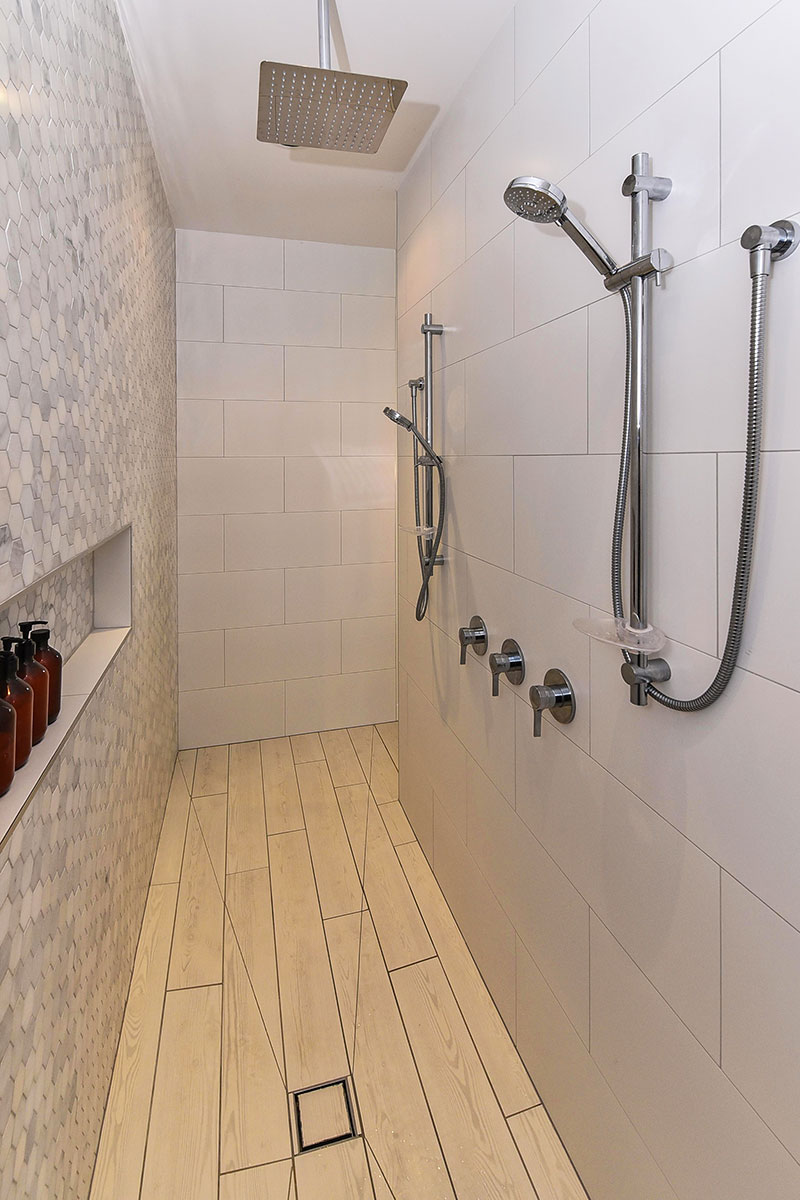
(475, 635)
(542, 202)
(428, 536)
(555, 695)
(428, 546)
(509, 662)
(325, 109)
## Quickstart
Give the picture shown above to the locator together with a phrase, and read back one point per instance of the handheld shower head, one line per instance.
(535, 199)
(398, 418)
(542, 202)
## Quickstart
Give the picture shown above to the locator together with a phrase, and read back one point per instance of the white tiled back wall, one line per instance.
(629, 883)
(286, 486)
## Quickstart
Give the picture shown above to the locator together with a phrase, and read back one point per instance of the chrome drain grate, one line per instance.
(323, 1114)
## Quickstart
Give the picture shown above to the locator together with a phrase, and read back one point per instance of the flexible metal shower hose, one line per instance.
(427, 567)
(733, 641)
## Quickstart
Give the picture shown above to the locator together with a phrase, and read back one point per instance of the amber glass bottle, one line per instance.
(8, 745)
(36, 675)
(52, 661)
(19, 695)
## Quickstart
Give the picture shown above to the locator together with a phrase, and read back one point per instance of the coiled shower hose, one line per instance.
(744, 562)
(426, 567)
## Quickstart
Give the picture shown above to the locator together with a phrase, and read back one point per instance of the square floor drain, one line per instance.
(324, 1115)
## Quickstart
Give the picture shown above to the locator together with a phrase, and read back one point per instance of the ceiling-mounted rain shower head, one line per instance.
(322, 108)
(542, 202)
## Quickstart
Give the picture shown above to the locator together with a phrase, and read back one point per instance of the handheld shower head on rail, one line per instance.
(542, 202)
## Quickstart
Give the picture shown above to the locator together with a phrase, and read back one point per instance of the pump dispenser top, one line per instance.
(51, 660)
(36, 675)
(19, 695)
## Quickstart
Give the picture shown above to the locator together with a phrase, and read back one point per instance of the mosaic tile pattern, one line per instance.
(87, 431)
(65, 599)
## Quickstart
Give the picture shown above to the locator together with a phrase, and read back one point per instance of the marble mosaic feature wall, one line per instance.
(65, 599)
(87, 430)
(286, 486)
(627, 883)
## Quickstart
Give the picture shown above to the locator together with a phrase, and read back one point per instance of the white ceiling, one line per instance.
(197, 63)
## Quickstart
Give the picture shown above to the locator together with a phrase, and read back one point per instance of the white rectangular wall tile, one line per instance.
(201, 544)
(341, 375)
(368, 322)
(200, 429)
(368, 535)
(541, 29)
(329, 593)
(319, 484)
(231, 599)
(414, 194)
(323, 267)
(228, 258)
(228, 485)
(226, 372)
(282, 652)
(337, 700)
(201, 660)
(198, 312)
(266, 427)
(435, 248)
(368, 644)
(255, 541)
(367, 430)
(277, 318)
(216, 716)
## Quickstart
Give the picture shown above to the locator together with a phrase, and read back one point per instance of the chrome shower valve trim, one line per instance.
(509, 662)
(475, 635)
(555, 695)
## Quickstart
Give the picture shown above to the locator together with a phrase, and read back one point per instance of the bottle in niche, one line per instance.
(8, 745)
(51, 660)
(19, 695)
(36, 675)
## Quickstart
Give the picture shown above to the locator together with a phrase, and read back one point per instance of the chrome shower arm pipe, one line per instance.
(587, 243)
(324, 20)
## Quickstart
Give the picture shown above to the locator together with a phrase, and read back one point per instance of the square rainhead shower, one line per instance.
(325, 109)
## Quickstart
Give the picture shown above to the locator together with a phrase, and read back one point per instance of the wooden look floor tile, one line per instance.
(344, 939)
(247, 831)
(335, 871)
(334, 1173)
(122, 1142)
(197, 945)
(477, 1143)
(312, 1034)
(254, 1119)
(270, 1182)
(379, 1184)
(281, 794)
(169, 856)
(306, 747)
(503, 1064)
(341, 757)
(389, 735)
(182, 1161)
(376, 763)
(396, 1120)
(212, 813)
(547, 1161)
(186, 761)
(401, 930)
(211, 771)
(249, 906)
(396, 823)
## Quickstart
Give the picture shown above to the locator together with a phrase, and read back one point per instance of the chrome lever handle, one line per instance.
(555, 695)
(510, 661)
(475, 635)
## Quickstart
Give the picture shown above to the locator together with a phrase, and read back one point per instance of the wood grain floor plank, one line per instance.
(118, 1169)
(270, 1182)
(247, 831)
(169, 855)
(344, 938)
(306, 747)
(501, 1060)
(182, 1160)
(281, 794)
(211, 771)
(396, 823)
(379, 1184)
(341, 757)
(197, 945)
(312, 1035)
(254, 1119)
(354, 805)
(249, 905)
(389, 732)
(187, 760)
(401, 930)
(397, 1124)
(334, 869)
(480, 1151)
(212, 813)
(376, 763)
(547, 1161)
(336, 1172)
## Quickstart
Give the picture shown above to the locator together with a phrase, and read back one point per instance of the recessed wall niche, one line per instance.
(87, 603)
